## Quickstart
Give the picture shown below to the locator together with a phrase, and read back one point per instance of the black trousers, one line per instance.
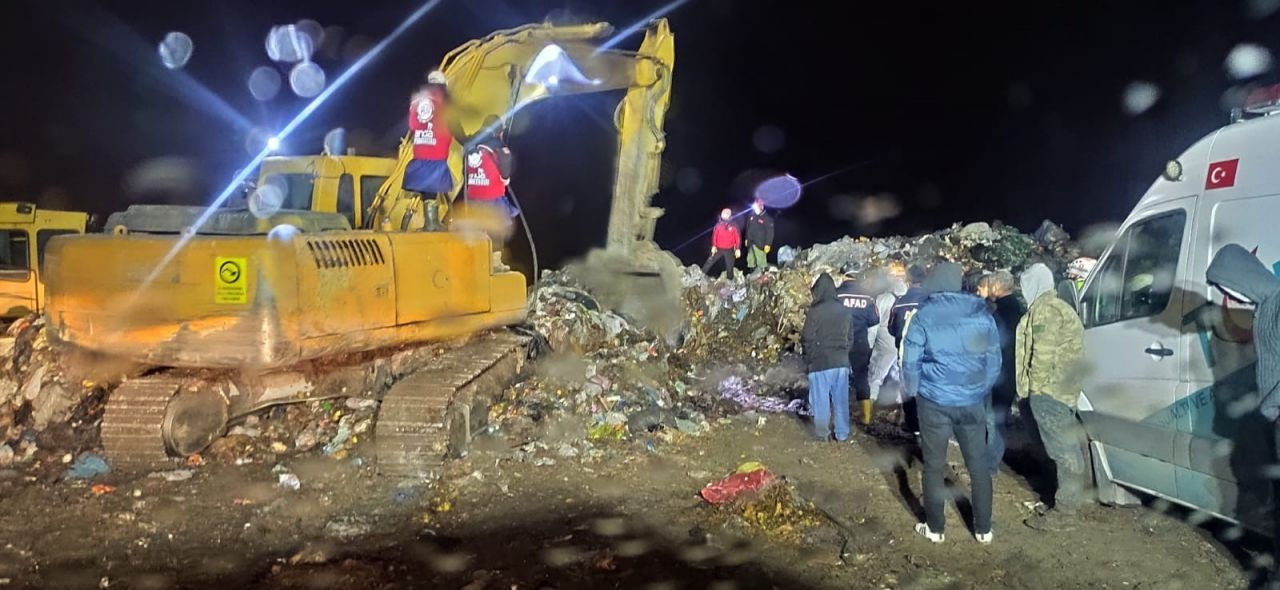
(859, 371)
(968, 425)
(720, 255)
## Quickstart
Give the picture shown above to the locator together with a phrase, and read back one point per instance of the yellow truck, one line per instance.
(25, 231)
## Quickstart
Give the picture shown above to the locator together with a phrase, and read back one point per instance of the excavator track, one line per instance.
(433, 412)
(133, 421)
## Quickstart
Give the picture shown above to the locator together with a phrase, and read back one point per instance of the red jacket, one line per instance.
(726, 237)
(431, 134)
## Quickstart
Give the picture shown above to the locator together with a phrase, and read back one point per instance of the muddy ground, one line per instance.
(631, 519)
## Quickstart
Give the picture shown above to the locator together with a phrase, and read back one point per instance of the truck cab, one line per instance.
(1170, 400)
(333, 184)
(25, 231)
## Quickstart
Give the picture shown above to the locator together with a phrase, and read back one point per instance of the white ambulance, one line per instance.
(1170, 398)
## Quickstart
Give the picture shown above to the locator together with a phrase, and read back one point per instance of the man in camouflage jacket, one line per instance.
(1049, 348)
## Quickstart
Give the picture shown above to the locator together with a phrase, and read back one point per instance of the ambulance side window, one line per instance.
(1137, 279)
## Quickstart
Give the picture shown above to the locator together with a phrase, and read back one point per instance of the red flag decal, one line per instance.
(1221, 174)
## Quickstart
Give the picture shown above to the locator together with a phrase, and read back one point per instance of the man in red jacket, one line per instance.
(428, 171)
(725, 239)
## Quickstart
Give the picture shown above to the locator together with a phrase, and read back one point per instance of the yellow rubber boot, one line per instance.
(866, 412)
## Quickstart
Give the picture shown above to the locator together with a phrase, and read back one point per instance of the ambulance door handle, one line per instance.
(1158, 351)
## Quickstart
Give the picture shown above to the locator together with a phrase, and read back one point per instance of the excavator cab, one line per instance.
(336, 184)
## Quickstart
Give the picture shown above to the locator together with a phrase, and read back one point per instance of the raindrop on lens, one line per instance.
(1247, 60)
(264, 83)
(288, 44)
(1139, 97)
(266, 200)
(175, 50)
(768, 139)
(306, 79)
(313, 30)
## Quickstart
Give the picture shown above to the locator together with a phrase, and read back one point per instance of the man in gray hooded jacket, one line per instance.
(1244, 278)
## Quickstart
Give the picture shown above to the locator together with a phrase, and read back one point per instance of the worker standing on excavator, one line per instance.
(726, 244)
(489, 167)
(428, 172)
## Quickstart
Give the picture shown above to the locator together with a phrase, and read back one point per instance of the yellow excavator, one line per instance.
(234, 312)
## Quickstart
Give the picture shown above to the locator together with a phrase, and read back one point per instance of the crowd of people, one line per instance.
(962, 360)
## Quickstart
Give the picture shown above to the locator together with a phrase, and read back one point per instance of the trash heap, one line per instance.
(976, 247)
(46, 399)
(336, 428)
(753, 497)
(738, 349)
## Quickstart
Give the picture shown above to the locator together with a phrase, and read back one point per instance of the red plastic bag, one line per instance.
(719, 492)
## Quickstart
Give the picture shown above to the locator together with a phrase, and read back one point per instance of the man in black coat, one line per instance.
(759, 236)
(826, 352)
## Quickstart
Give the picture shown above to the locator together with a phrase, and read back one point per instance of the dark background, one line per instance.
(955, 111)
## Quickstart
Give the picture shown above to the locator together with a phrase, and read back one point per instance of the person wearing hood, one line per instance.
(1242, 277)
(951, 359)
(1049, 348)
(856, 296)
(726, 244)
(825, 338)
(759, 236)
(884, 352)
(899, 317)
(999, 288)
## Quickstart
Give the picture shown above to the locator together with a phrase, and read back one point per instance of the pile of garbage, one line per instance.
(976, 247)
(47, 399)
(336, 428)
(754, 497)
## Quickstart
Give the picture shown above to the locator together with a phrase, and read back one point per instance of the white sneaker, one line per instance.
(922, 529)
(984, 538)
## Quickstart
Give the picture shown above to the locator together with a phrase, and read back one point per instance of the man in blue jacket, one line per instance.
(950, 361)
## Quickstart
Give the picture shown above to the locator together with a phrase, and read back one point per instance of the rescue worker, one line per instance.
(759, 236)
(998, 288)
(901, 314)
(726, 244)
(863, 316)
(884, 353)
(428, 172)
(951, 358)
(1069, 289)
(488, 174)
(1244, 278)
(1049, 349)
(825, 338)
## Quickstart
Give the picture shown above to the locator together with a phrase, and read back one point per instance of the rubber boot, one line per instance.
(866, 412)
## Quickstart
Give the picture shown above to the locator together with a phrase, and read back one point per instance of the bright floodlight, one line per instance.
(553, 67)
(273, 143)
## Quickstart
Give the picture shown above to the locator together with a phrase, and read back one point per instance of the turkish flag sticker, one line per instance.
(1221, 174)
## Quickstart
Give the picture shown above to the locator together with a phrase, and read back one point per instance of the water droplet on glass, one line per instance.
(1247, 60)
(331, 47)
(175, 50)
(768, 139)
(1139, 97)
(313, 30)
(289, 44)
(264, 83)
(779, 192)
(266, 200)
(1260, 9)
(689, 181)
(306, 79)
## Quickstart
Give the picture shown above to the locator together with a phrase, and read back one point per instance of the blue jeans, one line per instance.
(968, 424)
(829, 391)
(997, 418)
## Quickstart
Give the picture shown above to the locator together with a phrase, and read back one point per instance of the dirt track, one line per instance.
(630, 520)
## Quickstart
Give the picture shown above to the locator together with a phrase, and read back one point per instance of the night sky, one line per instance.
(954, 111)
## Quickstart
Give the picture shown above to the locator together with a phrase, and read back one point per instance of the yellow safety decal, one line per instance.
(230, 284)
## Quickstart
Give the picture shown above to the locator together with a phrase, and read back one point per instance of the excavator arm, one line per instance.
(499, 74)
